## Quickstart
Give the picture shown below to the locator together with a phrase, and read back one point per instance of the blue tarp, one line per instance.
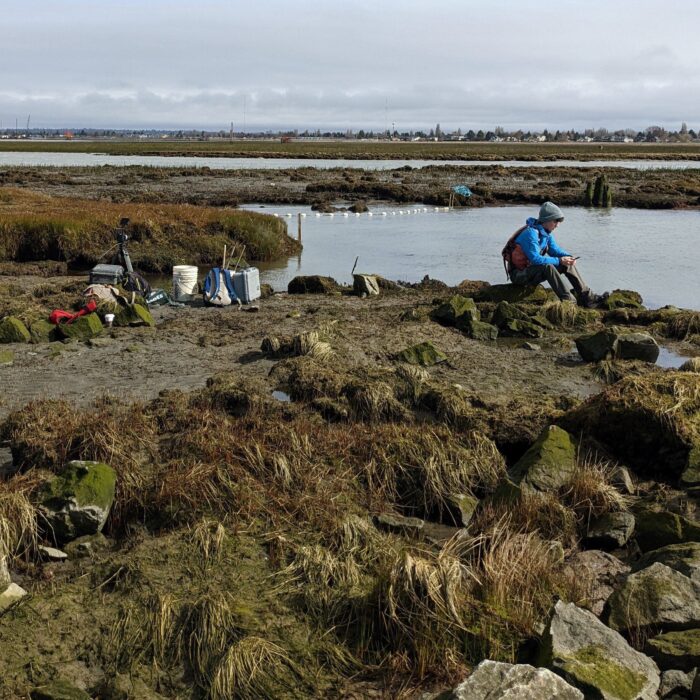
(463, 190)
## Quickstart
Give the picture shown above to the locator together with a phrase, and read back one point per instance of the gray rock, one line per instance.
(622, 479)
(655, 529)
(461, 508)
(683, 557)
(598, 574)
(610, 531)
(637, 346)
(11, 595)
(492, 680)
(5, 579)
(677, 682)
(365, 285)
(656, 597)
(597, 346)
(87, 546)
(77, 501)
(675, 650)
(51, 553)
(399, 524)
(534, 347)
(549, 462)
(596, 659)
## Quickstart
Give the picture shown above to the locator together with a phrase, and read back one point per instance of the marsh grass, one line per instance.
(18, 516)
(683, 325)
(566, 314)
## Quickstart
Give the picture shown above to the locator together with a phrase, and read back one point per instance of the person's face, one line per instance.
(549, 226)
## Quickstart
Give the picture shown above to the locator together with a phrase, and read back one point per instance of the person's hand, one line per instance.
(568, 260)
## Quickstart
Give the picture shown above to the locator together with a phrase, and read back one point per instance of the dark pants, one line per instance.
(554, 274)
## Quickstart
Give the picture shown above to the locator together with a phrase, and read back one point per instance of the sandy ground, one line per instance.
(191, 344)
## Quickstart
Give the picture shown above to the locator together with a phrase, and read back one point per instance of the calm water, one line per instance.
(65, 160)
(653, 252)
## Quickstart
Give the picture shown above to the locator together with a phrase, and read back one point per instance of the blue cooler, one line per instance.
(246, 284)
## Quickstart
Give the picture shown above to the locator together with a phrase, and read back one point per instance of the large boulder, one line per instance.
(83, 328)
(42, 331)
(492, 680)
(655, 598)
(478, 330)
(655, 529)
(637, 346)
(313, 284)
(596, 659)
(649, 422)
(594, 347)
(12, 330)
(423, 354)
(684, 558)
(457, 311)
(514, 322)
(598, 574)
(676, 650)
(512, 293)
(77, 502)
(549, 463)
(610, 530)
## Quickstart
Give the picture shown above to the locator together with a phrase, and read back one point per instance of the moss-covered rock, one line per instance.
(77, 501)
(594, 658)
(610, 531)
(534, 294)
(424, 354)
(622, 299)
(461, 508)
(7, 357)
(676, 650)
(456, 311)
(684, 557)
(655, 598)
(58, 690)
(478, 330)
(313, 284)
(594, 347)
(83, 328)
(42, 331)
(12, 330)
(549, 463)
(134, 315)
(637, 346)
(655, 529)
(649, 422)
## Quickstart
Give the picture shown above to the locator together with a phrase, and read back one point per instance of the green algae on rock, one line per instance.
(676, 649)
(622, 299)
(83, 328)
(457, 311)
(683, 557)
(7, 357)
(478, 330)
(423, 354)
(549, 463)
(655, 529)
(12, 330)
(512, 293)
(77, 501)
(133, 315)
(41, 331)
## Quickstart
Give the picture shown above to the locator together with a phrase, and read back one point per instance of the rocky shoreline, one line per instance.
(426, 492)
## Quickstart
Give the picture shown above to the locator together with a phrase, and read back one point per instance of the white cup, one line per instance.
(109, 319)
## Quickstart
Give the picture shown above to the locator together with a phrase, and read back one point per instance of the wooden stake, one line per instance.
(299, 227)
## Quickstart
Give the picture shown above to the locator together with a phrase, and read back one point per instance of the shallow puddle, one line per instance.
(281, 396)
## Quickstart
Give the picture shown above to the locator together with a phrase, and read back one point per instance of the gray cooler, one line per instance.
(246, 284)
(107, 274)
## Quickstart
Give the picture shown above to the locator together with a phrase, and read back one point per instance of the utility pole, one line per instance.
(244, 106)
(231, 132)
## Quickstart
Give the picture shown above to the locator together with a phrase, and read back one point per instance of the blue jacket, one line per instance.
(534, 240)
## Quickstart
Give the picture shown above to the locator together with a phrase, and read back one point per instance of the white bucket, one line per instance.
(185, 282)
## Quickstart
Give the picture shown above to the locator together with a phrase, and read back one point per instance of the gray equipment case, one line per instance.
(246, 284)
(107, 274)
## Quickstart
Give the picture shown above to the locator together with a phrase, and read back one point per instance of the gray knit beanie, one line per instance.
(550, 212)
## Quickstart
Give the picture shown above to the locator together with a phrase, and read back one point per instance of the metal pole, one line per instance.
(299, 227)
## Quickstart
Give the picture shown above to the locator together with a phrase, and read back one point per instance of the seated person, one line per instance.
(536, 257)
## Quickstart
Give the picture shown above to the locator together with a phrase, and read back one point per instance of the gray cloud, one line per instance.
(526, 63)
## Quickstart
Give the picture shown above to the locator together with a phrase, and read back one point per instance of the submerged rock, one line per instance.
(423, 354)
(610, 531)
(596, 659)
(313, 284)
(656, 597)
(12, 330)
(492, 680)
(77, 502)
(549, 463)
(676, 650)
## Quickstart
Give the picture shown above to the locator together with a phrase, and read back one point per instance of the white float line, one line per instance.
(345, 214)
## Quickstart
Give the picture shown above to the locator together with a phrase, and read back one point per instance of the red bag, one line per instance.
(58, 316)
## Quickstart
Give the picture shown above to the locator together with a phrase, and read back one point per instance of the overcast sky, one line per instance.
(328, 64)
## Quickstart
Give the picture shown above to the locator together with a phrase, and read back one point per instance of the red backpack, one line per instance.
(513, 256)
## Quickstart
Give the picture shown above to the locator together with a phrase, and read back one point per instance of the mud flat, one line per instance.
(336, 496)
